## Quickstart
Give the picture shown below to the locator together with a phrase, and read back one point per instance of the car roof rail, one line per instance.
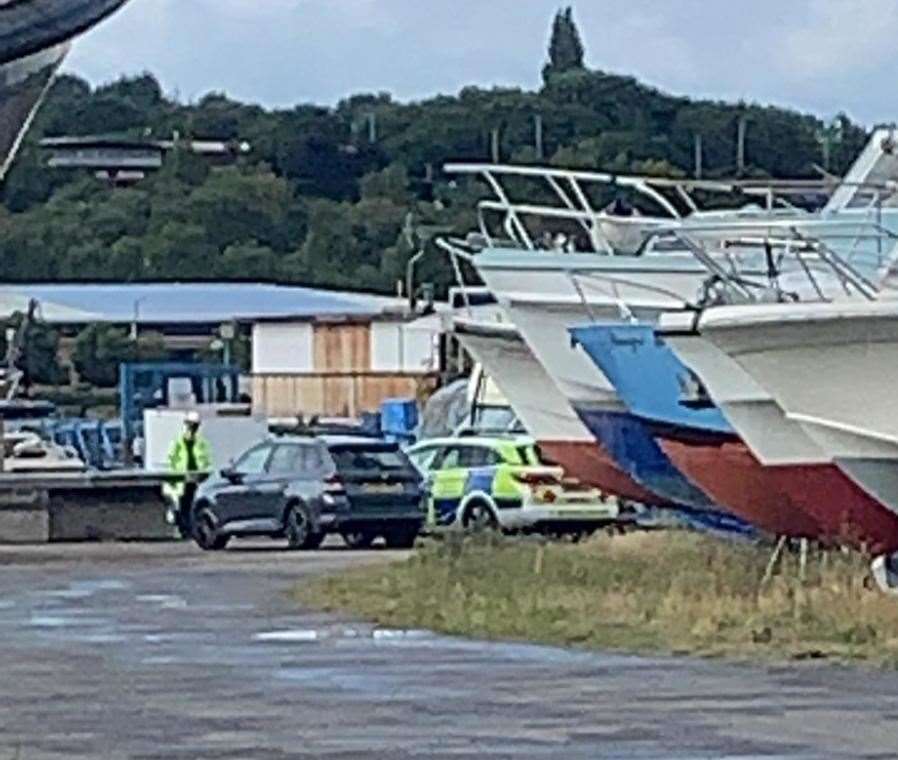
(314, 428)
(489, 433)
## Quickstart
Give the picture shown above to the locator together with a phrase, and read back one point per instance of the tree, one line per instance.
(322, 198)
(99, 349)
(40, 359)
(565, 46)
(249, 261)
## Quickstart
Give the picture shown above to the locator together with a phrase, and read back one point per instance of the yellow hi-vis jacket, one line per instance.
(177, 460)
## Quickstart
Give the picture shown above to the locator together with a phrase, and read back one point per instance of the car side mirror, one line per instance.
(231, 475)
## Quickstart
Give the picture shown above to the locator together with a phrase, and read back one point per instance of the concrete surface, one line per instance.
(159, 651)
(82, 507)
(109, 513)
(24, 525)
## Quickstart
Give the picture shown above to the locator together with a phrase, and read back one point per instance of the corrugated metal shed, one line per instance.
(188, 303)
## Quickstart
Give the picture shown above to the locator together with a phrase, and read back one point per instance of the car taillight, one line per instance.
(536, 478)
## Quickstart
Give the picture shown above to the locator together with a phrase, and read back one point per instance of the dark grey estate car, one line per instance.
(303, 488)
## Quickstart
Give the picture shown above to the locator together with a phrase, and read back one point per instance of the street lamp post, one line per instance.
(134, 323)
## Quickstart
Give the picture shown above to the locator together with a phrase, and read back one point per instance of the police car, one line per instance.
(502, 482)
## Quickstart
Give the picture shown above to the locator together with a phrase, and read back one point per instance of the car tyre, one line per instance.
(298, 529)
(401, 538)
(206, 535)
(479, 517)
(358, 539)
(314, 541)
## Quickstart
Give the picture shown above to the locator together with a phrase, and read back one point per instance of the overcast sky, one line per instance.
(817, 55)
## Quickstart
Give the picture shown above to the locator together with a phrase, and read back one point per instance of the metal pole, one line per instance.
(136, 317)
(740, 146)
(698, 156)
(774, 558)
(538, 135)
(803, 561)
(410, 278)
(494, 145)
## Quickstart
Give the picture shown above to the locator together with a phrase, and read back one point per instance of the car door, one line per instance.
(238, 496)
(448, 485)
(286, 466)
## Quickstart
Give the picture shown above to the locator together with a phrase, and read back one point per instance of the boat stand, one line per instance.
(774, 559)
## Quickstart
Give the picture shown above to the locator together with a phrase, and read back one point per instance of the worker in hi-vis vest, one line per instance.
(189, 453)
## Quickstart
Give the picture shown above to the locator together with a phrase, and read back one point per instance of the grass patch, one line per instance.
(670, 592)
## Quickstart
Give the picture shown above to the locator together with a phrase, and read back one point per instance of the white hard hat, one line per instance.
(192, 418)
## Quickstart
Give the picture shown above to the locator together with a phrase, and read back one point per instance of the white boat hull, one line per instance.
(543, 409)
(830, 368)
(754, 415)
(538, 403)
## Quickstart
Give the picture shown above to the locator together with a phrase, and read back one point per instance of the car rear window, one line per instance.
(358, 458)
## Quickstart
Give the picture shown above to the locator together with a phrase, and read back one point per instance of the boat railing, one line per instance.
(732, 280)
(583, 280)
(814, 258)
(459, 250)
(570, 190)
(849, 235)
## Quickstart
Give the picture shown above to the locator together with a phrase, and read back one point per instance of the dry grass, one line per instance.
(673, 592)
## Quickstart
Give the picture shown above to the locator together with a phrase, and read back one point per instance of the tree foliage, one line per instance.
(100, 349)
(565, 45)
(39, 361)
(326, 194)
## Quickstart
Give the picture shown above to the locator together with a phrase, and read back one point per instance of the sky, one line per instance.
(823, 56)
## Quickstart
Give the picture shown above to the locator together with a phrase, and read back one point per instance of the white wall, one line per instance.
(228, 436)
(282, 347)
(287, 347)
(404, 347)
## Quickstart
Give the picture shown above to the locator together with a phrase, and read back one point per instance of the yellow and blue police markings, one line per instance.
(454, 487)
(448, 494)
(505, 477)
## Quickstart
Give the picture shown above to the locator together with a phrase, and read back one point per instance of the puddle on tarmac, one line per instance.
(306, 635)
(165, 601)
(289, 636)
(65, 621)
(83, 589)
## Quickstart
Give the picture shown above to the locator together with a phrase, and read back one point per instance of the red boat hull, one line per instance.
(587, 461)
(814, 500)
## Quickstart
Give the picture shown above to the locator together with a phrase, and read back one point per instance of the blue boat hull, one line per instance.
(631, 442)
(650, 379)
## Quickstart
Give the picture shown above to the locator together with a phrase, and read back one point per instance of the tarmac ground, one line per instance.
(161, 651)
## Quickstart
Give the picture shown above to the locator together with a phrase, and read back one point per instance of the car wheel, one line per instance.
(359, 539)
(314, 540)
(401, 538)
(206, 535)
(478, 516)
(298, 528)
